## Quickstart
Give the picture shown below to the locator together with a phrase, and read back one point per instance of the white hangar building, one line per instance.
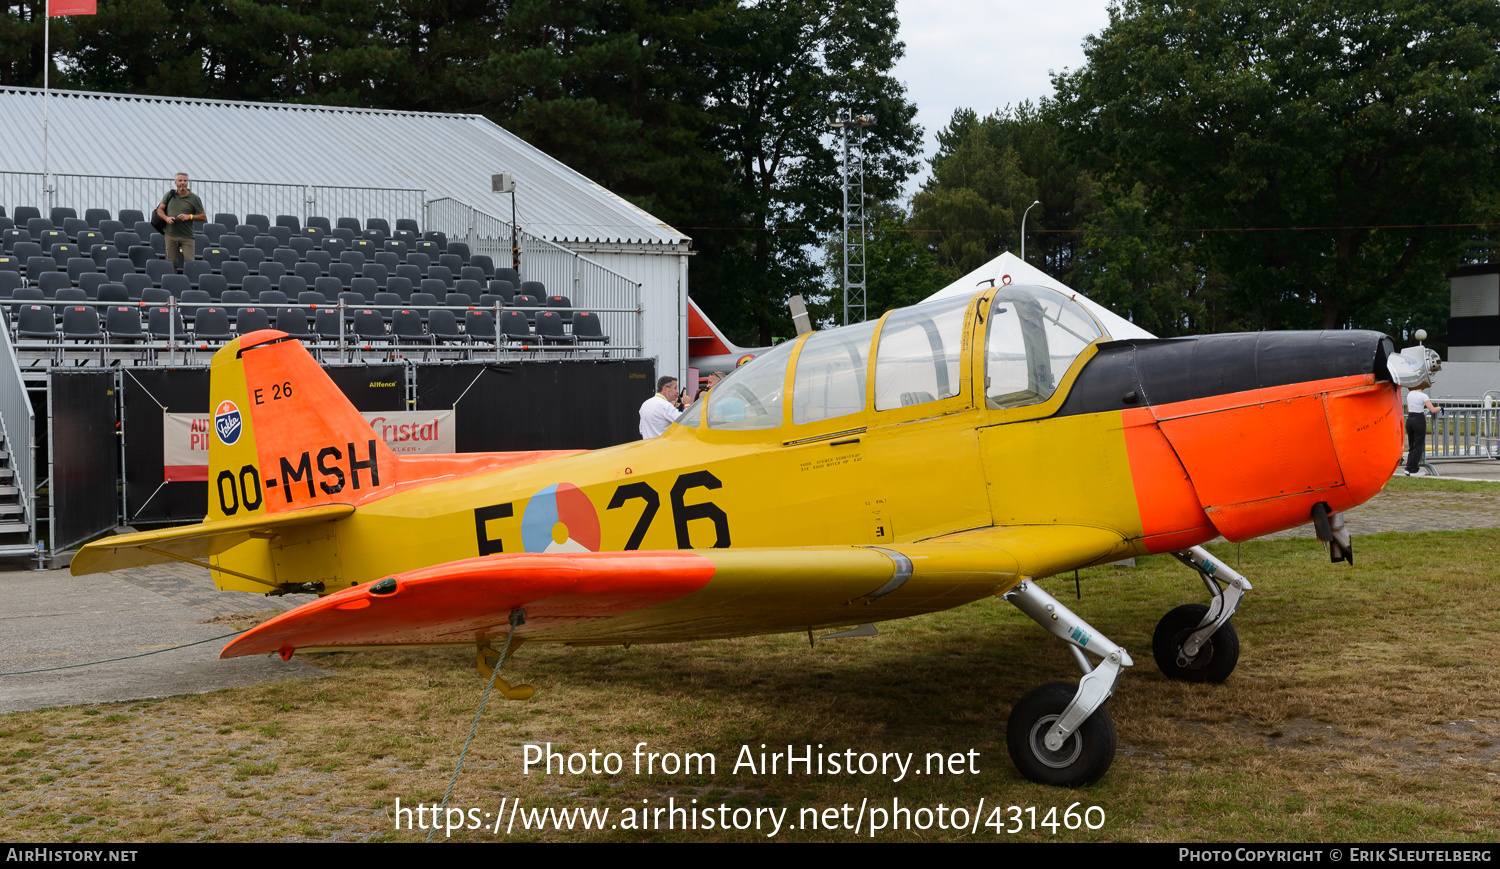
(579, 239)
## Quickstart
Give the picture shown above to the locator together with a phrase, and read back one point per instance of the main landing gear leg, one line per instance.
(1196, 643)
(1057, 734)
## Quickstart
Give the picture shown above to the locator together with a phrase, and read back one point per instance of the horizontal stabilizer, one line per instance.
(194, 542)
(671, 596)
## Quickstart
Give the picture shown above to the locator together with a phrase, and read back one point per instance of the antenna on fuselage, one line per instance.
(799, 315)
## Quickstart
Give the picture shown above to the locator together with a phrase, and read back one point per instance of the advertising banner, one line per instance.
(185, 438)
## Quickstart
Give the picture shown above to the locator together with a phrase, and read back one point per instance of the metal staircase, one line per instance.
(15, 531)
(17, 476)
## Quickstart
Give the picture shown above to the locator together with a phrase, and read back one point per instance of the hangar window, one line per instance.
(750, 397)
(920, 355)
(830, 378)
(1034, 336)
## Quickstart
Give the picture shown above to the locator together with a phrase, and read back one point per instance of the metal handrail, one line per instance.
(17, 414)
(297, 199)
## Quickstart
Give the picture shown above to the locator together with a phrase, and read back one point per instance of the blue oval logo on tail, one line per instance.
(227, 422)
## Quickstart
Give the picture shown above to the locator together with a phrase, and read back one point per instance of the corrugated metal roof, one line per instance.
(271, 143)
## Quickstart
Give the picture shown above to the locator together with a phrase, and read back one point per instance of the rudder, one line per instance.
(285, 437)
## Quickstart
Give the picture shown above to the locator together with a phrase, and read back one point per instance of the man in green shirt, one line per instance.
(180, 209)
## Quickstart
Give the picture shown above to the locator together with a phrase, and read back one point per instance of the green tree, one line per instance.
(900, 268)
(777, 71)
(708, 113)
(1310, 152)
(1142, 270)
(985, 174)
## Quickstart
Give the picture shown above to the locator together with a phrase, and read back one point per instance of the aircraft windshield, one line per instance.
(750, 397)
(1034, 336)
(830, 378)
(920, 354)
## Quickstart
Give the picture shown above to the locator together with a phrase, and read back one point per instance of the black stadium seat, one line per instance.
(370, 326)
(400, 286)
(514, 327)
(248, 320)
(328, 325)
(165, 324)
(292, 321)
(112, 292)
(550, 328)
(255, 285)
(443, 327)
(136, 285)
(212, 325)
(479, 326)
(407, 327)
(123, 324)
(50, 282)
(36, 321)
(234, 273)
(587, 329)
(90, 283)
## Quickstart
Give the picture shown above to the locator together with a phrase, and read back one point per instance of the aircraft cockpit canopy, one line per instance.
(1032, 337)
(1034, 334)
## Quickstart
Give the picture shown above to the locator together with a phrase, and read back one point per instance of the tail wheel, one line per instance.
(1083, 759)
(1214, 661)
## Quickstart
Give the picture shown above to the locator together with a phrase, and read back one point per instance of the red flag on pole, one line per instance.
(58, 8)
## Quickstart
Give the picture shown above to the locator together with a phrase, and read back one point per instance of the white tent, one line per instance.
(1007, 268)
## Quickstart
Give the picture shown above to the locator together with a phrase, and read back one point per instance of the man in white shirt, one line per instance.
(1418, 405)
(660, 410)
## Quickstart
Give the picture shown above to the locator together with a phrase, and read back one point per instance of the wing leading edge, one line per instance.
(673, 596)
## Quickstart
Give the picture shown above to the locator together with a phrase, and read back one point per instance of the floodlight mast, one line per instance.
(854, 214)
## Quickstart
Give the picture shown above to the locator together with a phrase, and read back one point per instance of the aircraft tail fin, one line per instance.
(704, 338)
(284, 436)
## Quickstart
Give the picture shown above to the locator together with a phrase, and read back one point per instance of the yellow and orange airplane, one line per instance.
(947, 452)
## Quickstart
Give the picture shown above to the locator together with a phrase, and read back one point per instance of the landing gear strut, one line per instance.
(1059, 735)
(1196, 643)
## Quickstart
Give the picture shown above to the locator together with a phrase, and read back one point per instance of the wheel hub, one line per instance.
(1063, 757)
(1198, 661)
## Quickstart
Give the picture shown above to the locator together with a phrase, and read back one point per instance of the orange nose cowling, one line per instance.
(1261, 460)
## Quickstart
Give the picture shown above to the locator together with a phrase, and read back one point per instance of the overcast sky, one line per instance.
(985, 54)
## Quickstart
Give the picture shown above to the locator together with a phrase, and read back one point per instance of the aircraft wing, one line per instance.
(591, 598)
(194, 542)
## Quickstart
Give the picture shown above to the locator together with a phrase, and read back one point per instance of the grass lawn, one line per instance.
(1364, 708)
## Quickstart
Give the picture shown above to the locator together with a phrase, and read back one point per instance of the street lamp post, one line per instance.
(1023, 227)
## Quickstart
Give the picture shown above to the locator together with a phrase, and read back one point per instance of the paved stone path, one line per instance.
(1417, 511)
(191, 586)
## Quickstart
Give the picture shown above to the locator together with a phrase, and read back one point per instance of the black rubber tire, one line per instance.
(1215, 661)
(1084, 758)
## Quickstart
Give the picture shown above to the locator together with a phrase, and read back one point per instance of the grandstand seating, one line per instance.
(104, 278)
